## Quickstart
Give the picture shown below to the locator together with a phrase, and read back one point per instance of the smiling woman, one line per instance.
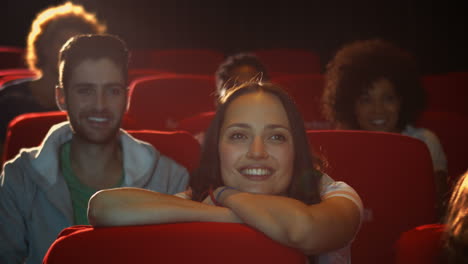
(256, 168)
(256, 146)
(375, 85)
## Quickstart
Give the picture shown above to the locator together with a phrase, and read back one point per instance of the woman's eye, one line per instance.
(278, 137)
(237, 136)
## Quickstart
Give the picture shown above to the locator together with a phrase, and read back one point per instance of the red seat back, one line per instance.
(306, 90)
(157, 102)
(137, 73)
(11, 57)
(28, 130)
(393, 175)
(285, 60)
(420, 245)
(178, 145)
(196, 123)
(19, 129)
(8, 75)
(181, 146)
(447, 92)
(452, 129)
(182, 61)
(204, 243)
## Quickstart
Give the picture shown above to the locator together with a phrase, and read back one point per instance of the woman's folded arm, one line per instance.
(135, 206)
(313, 229)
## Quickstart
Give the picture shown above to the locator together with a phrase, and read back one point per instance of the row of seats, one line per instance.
(12, 74)
(195, 61)
(393, 175)
(445, 92)
(159, 101)
(162, 101)
(19, 136)
(168, 101)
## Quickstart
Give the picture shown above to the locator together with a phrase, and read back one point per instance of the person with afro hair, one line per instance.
(375, 85)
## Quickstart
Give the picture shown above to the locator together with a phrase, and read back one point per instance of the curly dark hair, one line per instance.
(353, 70)
(223, 74)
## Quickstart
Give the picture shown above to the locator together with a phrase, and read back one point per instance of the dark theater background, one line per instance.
(393, 174)
(434, 31)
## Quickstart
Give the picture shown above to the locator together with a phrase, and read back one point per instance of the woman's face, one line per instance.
(256, 146)
(378, 109)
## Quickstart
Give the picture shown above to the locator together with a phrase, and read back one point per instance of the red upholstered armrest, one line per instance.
(204, 242)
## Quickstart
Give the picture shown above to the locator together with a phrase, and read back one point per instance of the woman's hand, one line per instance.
(216, 197)
(223, 192)
(313, 229)
(208, 201)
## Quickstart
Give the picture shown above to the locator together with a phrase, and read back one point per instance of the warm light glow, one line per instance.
(43, 20)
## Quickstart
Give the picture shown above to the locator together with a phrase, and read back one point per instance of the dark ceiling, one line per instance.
(434, 33)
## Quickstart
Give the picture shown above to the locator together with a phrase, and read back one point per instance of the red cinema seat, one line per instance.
(137, 73)
(158, 102)
(181, 146)
(306, 90)
(8, 75)
(178, 145)
(420, 245)
(182, 61)
(393, 175)
(19, 129)
(289, 60)
(447, 92)
(197, 123)
(452, 129)
(28, 130)
(11, 57)
(193, 242)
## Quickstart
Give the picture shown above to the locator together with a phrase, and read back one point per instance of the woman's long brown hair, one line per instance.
(306, 177)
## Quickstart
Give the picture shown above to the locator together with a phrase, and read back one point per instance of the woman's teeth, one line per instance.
(256, 171)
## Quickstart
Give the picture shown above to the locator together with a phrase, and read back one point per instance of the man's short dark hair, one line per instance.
(91, 46)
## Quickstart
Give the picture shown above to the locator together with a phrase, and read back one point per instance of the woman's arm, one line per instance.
(135, 206)
(313, 229)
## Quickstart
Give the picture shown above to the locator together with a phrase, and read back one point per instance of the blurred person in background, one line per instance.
(50, 29)
(374, 85)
